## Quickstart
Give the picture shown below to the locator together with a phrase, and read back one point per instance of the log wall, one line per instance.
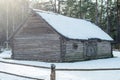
(100, 49)
(104, 49)
(74, 51)
(36, 41)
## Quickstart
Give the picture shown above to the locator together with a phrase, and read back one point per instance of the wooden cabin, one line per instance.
(51, 37)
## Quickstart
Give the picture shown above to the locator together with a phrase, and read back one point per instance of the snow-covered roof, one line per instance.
(73, 28)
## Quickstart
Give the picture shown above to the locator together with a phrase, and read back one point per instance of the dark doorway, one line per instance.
(91, 49)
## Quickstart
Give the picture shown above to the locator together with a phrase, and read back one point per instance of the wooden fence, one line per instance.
(53, 70)
(21, 76)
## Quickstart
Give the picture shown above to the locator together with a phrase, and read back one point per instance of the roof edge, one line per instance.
(19, 27)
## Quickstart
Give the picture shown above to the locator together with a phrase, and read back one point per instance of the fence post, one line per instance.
(52, 75)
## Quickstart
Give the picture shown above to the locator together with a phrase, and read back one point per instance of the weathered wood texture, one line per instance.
(74, 54)
(53, 72)
(87, 50)
(39, 41)
(104, 49)
(36, 41)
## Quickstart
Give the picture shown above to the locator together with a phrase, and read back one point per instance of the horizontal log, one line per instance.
(20, 36)
(38, 56)
(42, 48)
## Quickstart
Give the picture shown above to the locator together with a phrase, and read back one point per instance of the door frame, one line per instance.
(90, 49)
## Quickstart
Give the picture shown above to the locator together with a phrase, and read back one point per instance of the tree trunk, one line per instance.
(118, 23)
(108, 26)
(96, 12)
(80, 9)
(101, 13)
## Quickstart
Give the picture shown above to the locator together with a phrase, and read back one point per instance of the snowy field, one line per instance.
(9, 77)
(61, 75)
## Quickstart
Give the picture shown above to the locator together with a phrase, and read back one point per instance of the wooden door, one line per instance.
(91, 49)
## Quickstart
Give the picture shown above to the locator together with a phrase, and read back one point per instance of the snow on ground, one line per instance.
(9, 77)
(63, 75)
(25, 71)
(116, 54)
(6, 54)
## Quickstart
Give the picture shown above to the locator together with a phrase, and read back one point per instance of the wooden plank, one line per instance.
(42, 56)
(25, 42)
(74, 54)
(104, 48)
(55, 47)
(37, 36)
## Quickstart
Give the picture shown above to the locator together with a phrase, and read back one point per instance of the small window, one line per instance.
(75, 45)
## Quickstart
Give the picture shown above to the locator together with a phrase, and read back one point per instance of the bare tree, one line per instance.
(80, 3)
(101, 12)
(118, 21)
(108, 26)
(55, 6)
(96, 12)
(7, 24)
(10, 17)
